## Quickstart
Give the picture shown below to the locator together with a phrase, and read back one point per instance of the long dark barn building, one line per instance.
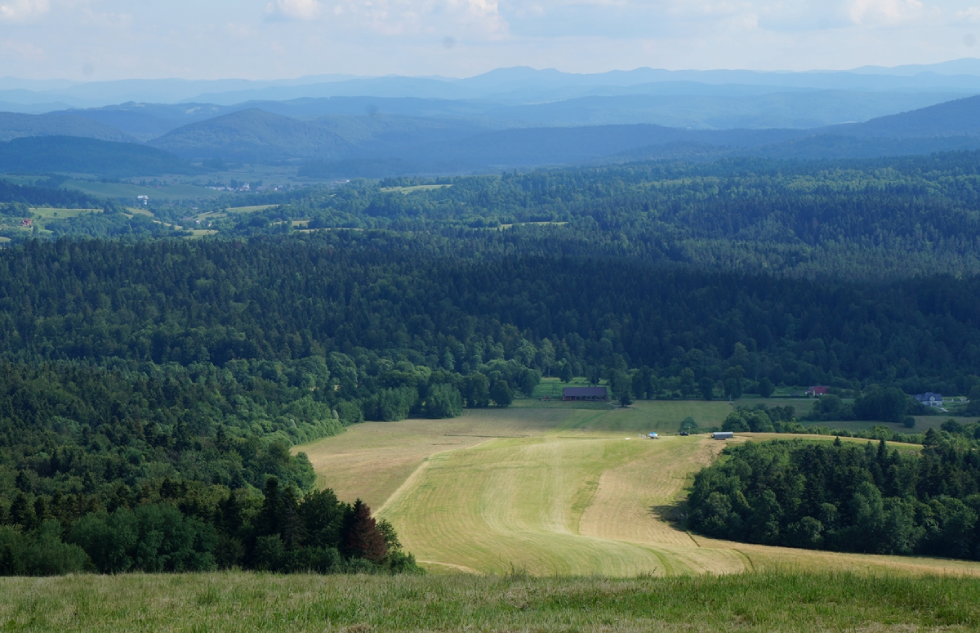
(590, 394)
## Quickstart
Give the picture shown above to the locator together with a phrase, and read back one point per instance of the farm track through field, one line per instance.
(554, 492)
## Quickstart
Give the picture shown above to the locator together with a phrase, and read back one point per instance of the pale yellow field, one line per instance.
(553, 492)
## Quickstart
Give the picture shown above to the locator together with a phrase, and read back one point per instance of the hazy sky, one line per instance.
(208, 39)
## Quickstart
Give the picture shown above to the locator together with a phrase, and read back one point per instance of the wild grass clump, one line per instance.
(238, 601)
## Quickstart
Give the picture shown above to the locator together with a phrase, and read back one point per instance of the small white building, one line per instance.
(723, 435)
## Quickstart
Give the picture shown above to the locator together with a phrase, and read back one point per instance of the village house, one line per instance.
(930, 399)
(817, 391)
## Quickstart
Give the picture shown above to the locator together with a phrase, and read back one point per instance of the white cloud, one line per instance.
(294, 9)
(21, 10)
(884, 11)
(971, 15)
(427, 18)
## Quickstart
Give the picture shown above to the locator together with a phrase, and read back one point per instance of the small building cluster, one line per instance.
(817, 391)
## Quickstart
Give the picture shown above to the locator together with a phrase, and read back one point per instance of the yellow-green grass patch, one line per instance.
(50, 213)
(127, 190)
(252, 209)
(556, 492)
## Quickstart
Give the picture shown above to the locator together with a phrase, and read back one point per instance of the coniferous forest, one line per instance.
(152, 386)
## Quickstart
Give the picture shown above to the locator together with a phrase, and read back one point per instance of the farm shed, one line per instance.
(723, 435)
(588, 394)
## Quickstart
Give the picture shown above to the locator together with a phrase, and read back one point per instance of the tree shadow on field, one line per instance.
(675, 514)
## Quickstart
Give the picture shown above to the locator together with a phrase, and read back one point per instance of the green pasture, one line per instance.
(510, 226)
(252, 209)
(408, 190)
(49, 213)
(236, 601)
(129, 190)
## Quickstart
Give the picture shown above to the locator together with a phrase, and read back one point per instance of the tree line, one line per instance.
(844, 497)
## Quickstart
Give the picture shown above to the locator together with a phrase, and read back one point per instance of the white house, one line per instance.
(930, 399)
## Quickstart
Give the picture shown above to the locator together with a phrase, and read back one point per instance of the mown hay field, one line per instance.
(550, 491)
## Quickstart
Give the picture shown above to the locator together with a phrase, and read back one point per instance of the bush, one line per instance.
(40, 553)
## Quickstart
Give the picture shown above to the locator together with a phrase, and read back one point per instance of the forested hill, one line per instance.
(848, 220)
(47, 154)
(456, 301)
(37, 196)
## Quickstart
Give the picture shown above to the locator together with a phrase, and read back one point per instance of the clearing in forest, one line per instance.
(554, 492)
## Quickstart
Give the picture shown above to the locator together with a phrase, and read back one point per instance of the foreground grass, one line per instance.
(254, 602)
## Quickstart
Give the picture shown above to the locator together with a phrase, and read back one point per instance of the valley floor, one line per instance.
(556, 492)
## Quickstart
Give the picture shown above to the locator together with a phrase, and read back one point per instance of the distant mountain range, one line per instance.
(256, 135)
(519, 85)
(371, 137)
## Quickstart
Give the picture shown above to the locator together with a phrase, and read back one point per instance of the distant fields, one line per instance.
(49, 213)
(408, 190)
(557, 492)
(129, 190)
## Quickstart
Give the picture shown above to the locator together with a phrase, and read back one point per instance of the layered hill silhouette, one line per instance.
(13, 125)
(960, 117)
(346, 137)
(253, 136)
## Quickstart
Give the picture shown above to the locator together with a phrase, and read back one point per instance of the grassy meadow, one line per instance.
(178, 191)
(692, 604)
(408, 190)
(50, 213)
(559, 491)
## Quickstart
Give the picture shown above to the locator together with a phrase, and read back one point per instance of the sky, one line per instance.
(262, 39)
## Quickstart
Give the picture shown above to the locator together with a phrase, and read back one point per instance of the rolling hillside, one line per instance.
(13, 125)
(253, 136)
(147, 121)
(87, 156)
(954, 118)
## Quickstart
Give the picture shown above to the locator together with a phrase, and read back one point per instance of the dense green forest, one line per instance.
(41, 194)
(455, 302)
(161, 470)
(845, 497)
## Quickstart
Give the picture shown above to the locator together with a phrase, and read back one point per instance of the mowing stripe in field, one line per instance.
(554, 492)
